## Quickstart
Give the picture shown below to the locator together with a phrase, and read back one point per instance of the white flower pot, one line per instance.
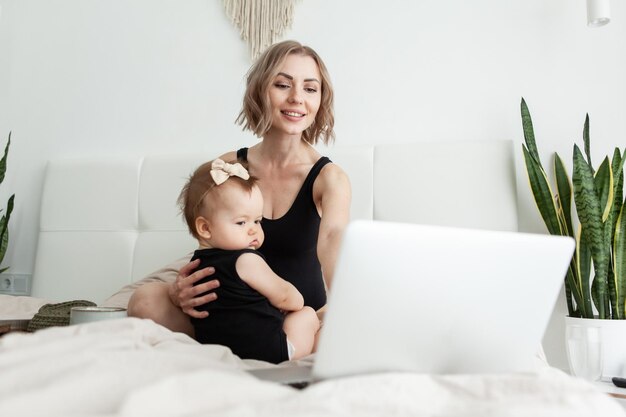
(613, 343)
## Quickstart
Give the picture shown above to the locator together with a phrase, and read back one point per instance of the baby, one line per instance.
(223, 208)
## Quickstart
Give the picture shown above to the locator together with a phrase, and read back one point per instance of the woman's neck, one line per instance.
(282, 149)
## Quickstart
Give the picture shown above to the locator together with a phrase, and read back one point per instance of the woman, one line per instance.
(289, 104)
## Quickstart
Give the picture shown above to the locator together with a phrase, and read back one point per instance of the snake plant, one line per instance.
(601, 233)
(4, 220)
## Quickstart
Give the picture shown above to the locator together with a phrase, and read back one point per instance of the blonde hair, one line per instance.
(256, 114)
(200, 184)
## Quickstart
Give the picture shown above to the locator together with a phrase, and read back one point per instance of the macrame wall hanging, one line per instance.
(260, 22)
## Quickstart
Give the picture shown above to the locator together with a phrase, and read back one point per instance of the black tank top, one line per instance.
(290, 246)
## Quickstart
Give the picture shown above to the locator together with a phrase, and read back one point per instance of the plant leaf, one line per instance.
(603, 183)
(564, 188)
(617, 163)
(3, 161)
(590, 216)
(529, 132)
(542, 193)
(4, 237)
(571, 311)
(610, 223)
(614, 295)
(587, 141)
(619, 257)
(4, 228)
(583, 267)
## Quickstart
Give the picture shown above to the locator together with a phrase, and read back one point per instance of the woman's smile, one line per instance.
(292, 113)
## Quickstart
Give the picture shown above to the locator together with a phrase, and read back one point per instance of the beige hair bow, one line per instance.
(221, 171)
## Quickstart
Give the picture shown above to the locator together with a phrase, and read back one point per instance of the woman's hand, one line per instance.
(185, 295)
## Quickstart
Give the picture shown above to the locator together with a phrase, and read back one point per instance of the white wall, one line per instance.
(82, 77)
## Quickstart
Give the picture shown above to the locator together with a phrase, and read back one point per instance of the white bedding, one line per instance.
(133, 367)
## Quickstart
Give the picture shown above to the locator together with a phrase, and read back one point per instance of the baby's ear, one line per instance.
(203, 228)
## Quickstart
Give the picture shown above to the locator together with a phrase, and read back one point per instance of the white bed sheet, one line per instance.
(133, 367)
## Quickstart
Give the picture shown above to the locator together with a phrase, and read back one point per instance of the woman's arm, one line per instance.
(332, 194)
(255, 272)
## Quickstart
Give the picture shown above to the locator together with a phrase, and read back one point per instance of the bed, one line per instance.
(123, 224)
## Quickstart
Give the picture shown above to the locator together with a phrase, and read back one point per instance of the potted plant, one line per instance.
(4, 220)
(595, 298)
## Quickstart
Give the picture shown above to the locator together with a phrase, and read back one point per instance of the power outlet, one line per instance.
(15, 284)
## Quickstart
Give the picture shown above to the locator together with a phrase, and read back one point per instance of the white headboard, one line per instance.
(106, 222)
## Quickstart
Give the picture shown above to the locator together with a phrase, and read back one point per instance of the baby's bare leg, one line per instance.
(301, 327)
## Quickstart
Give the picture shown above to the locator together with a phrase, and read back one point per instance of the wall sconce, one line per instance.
(598, 13)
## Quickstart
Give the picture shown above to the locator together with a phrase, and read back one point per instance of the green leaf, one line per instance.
(587, 141)
(571, 311)
(583, 267)
(4, 228)
(619, 256)
(614, 295)
(590, 216)
(4, 237)
(617, 163)
(598, 300)
(3, 161)
(542, 193)
(603, 183)
(564, 188)
(529, 132)
(610, 217)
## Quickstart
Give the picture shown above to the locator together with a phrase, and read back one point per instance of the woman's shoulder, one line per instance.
(332, 171)
(331, 177)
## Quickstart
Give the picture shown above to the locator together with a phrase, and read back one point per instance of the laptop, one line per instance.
(437, 300)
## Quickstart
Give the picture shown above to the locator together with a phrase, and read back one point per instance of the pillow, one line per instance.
(166, 274)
